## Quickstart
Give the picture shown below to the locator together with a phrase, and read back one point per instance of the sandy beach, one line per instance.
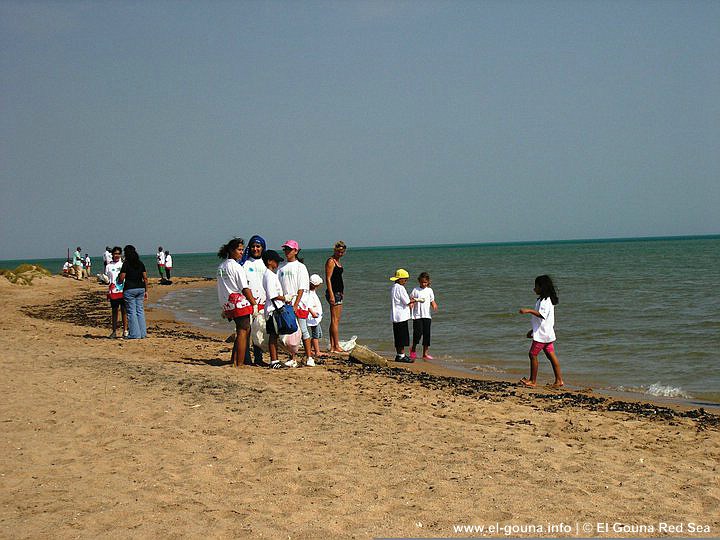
(163, 438)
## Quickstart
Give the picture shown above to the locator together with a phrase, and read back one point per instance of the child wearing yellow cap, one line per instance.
(401, 303)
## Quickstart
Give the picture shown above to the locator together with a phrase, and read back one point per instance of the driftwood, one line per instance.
(366, 356)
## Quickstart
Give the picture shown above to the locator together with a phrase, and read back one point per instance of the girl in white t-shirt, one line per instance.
(235, 297)
(543, 330)
(424, 300)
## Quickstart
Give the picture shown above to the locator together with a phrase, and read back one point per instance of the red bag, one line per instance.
(237, 306)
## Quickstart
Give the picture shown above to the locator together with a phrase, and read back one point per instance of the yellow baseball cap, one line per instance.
(400, 273)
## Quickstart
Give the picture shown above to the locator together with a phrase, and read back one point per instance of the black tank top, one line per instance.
(336, 280)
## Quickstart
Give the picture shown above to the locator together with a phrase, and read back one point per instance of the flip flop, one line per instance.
(526, 383)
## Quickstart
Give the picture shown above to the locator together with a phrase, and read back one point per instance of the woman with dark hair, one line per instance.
(255, 268)
(334, 293)
(133, 277)
(235, 297)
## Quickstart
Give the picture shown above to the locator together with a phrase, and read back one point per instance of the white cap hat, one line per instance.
(315, 280)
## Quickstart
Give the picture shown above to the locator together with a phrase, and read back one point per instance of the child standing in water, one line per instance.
(543, 330)
(401, 304)
(424, 300)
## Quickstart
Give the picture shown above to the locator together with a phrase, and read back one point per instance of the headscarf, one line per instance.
(254, 239)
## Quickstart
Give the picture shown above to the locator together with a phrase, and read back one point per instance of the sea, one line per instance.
(636, 316)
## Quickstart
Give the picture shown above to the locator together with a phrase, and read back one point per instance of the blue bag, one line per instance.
(284, 320)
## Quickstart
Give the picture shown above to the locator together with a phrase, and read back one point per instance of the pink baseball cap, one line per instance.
(292, 244)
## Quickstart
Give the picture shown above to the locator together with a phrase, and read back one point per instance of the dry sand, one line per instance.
(162, 438)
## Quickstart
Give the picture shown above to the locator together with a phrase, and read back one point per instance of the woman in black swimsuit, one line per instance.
(334, 293)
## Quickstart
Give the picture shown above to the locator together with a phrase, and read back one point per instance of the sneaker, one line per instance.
(404, 358)
(399, 357)
(275, 364)
(291, 363)
(310, 362)
(126, 333)
(112, 336)
(428, 357)
(413, 355)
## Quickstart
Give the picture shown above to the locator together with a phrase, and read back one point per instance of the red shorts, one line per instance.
(536, 347)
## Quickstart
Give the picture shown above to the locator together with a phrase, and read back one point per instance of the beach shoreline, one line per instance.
(438, 367)
(101, 434)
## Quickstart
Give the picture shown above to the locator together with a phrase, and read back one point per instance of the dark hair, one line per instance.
(116, 248)
(226, 249)
(547, 289)
(132, 259)
(424, 275)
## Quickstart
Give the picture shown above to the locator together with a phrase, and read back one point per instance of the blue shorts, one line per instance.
(315, 332)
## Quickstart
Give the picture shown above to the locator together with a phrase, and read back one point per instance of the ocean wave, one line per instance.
(658, 390)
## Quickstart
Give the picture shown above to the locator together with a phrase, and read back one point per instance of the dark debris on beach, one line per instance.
(498, 390)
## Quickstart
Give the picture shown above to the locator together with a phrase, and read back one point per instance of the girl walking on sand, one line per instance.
(543, 330)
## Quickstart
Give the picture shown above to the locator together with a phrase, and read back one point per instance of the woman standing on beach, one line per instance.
(254, 267)
(134, 278)
(235, 297)
(334, 293)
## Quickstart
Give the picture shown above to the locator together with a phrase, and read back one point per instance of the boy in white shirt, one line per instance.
(160, 256)
(424, 300)
(273, 294)
(315, 308)
(401, 304)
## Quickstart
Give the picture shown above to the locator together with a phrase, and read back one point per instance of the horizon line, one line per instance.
(460, 244)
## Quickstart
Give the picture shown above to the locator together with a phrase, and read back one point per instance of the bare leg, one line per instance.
(555, 363)
(241, 341)
(308, 348)
(315, 346)
(124, 318)
(114, 320)
(272, 347)
(533, 372)
(335, 316)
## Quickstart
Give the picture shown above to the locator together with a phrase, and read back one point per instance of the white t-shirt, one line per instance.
(273, 289)
(160, 255)
(544, 329)
(400, 303)
(231, 279)
(313, 302)
(107, 257)
(293, 278)
(255, 270)
(168, 261)
(421, 310)
(112, 270)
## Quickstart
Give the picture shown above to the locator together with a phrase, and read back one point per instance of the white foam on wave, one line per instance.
(658, 390)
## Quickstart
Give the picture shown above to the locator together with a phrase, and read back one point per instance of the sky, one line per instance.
(186, 123)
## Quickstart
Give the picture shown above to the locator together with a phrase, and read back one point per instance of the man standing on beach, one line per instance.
(160, 256)
(107, 258)
(78, 263)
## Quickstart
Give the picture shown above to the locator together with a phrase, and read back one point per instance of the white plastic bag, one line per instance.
(258, 332)
(348, 345)
(291, 342)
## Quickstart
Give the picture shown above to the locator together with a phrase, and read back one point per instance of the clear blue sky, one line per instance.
(379, 123)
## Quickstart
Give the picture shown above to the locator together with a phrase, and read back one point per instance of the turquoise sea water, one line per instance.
(634, 315)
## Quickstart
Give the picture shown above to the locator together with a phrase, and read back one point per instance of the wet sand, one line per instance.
(162, 437)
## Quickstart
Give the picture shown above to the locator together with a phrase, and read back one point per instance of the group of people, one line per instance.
(127, 292)
(254, 282)
(80, 267)
(164, 264)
